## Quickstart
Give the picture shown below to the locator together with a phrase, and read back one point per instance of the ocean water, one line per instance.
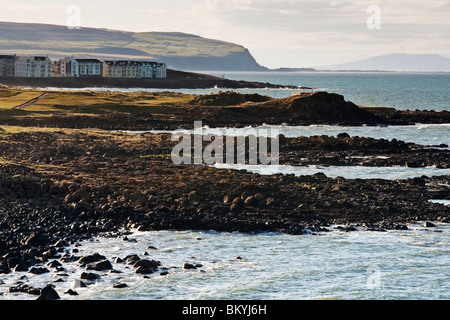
(422, 91)
(362, 265)
(404, 91)
(410, 264)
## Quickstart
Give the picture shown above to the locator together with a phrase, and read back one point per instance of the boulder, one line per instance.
(39, 270)
(146, 266)
(89, 276)
(100, 265)
(36, 239)
(83, 261)
(48, 293)
(251, 201)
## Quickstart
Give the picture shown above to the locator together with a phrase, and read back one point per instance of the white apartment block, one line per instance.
(66, 67)
(89, 67)
(33, 67)
(133, 69)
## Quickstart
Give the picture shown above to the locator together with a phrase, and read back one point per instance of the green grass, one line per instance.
(89, 102)
(15, 99)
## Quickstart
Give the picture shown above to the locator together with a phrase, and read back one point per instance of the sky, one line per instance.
(278, 33)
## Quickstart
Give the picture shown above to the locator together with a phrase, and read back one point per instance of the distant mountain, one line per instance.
(397, 62)
(178, 50)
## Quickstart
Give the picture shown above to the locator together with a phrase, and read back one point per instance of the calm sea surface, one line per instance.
(410, 264)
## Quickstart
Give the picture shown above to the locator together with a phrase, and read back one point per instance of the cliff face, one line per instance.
(178, 50)
(235, 61)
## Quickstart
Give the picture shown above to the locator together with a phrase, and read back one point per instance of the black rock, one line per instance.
(343, 135)
(36, 239)
(54, 264)
(71, 292)
(100, 266)
(429, 225)
(132, 258)
(24, 288)
(146, 266)
(48, 293)
(89, 276)
(39, 270)
(83, 261)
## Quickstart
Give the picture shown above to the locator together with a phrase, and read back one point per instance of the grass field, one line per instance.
(11, 99)
(70, 102)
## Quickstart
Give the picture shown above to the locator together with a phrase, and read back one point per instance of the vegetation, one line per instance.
(86, 102)
(227, 98)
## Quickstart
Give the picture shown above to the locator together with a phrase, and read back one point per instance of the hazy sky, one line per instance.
(279, 33)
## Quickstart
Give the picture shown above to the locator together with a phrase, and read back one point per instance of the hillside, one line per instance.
(178, 50)
(397, 62)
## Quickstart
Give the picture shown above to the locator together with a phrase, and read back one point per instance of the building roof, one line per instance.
(130, 62)
(4, 56)
(88, 60)
(40, 58)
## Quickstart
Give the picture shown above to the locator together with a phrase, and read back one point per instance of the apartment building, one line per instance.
(66, 67)
(133, 69)
(7, 65)
(33, 66)
(89, 67)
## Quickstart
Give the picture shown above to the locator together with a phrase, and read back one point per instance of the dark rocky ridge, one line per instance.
(175, 80)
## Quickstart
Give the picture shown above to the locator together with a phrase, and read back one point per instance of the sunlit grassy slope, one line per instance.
(70, 102)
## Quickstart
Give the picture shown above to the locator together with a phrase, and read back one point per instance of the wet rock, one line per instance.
(71, 292)
(120, 285)
(83, 261)
(77, 283)
(38, 270)
(429, 224)
(24, 288)
(100, 266)
(89, 276)
(132, 258)
(343, 135)
(48, 293)
(4, 269)
(237, 206)
(251, 201)
(146, 266)
(36, 239)
(54, 264)
(190, 266)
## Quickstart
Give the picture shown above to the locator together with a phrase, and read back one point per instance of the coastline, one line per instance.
(175, 80)
(66, 178)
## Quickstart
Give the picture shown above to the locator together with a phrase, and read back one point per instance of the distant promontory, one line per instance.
(179, 51)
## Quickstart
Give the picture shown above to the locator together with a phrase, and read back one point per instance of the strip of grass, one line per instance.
(104, 102)
(17, 99)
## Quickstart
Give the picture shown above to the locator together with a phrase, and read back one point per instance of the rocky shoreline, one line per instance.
(60, 186)
(175, 80)
(230, 109)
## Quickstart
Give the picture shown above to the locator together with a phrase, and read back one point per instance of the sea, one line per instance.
(412, 264)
